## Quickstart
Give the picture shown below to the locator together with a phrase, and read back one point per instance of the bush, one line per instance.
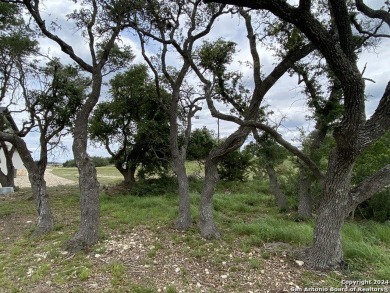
(98, 161)
(101, 161)
(69, 164)
(235, 166)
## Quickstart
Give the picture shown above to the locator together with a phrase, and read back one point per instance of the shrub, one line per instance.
(235, 166)
(98, 161)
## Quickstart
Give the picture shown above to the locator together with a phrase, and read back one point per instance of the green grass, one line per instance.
(245, 213)
(105, 175)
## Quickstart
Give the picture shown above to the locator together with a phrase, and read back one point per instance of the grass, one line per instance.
(105, 175)
(245, 213)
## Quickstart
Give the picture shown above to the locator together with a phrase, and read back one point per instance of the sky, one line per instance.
(285, 98)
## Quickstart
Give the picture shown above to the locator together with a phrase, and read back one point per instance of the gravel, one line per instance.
(51, 180)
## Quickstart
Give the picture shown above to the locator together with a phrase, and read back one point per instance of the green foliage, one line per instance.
(371, 161)
(214, 56)
(155, 187)
(235, 166)
(135, 121)
(69, 164)
(202, 141)
(64, 92)
(98, 161)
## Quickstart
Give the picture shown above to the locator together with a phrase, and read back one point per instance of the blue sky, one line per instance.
(285, 98)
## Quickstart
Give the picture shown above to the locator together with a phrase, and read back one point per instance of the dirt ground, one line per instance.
(51, 180)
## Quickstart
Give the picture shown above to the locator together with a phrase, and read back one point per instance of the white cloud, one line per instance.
(285, 98)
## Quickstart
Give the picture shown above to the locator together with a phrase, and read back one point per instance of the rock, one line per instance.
(299, 263)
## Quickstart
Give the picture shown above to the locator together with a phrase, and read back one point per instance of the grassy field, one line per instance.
(140, 251)
(106, 175)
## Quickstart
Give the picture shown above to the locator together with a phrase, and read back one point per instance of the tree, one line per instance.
(337, 43)
(100, 23)
(245, 104)
(51, 111)
(178, 25)
(370, 162)
(201, 142)
(134, 120)
(235, 166)
(270, 154)
(16, 44)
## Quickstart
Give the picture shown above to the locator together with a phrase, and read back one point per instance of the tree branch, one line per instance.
(378, 14)
(371, 185)
(66, 48)
(379, 123)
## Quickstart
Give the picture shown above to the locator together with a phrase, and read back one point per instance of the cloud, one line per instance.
(284, 99)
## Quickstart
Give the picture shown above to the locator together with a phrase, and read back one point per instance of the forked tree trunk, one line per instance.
(280, 197)
(208, 228)
(305, 199)
(326, 251)
(128, 174)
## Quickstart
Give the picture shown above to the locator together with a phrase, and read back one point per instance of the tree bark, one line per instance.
(208, 228)
(280, 197)
(127, 173)
(45, 221)
(8, 179)
(184, 220)
(305, 199)
(326, 251)
(88, 233)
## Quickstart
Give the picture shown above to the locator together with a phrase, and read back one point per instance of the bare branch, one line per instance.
(378, 14)
(66, 48)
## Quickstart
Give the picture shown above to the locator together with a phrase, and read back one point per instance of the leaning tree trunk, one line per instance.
(280, 197)
(305, 199)
(45, 221)
(88, 234)
(208, 228)
(326, 251)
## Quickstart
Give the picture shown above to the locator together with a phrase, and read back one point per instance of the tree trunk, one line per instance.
(7, 179)
(280, 197)
(45, 221)
(184, 220)
(88, 234)
(38, 184)
(305, 200)
(208, 228)
(128, 174)
(179, 154)
(326, 251)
